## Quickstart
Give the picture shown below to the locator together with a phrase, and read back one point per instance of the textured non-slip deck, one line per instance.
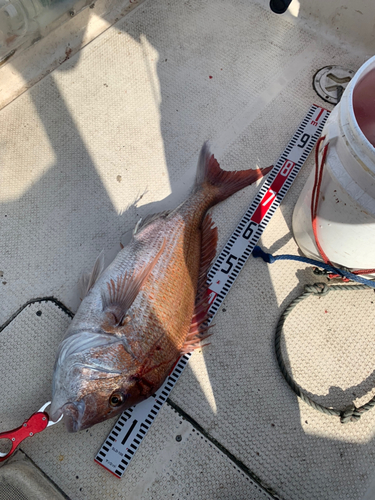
(114, 134)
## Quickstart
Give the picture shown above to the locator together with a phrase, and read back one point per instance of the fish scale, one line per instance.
(126, 436)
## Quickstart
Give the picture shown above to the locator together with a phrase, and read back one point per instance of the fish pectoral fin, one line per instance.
(120, 294)
(115, 320)
(88, 280)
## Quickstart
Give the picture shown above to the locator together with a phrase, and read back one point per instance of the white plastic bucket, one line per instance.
(346, 209)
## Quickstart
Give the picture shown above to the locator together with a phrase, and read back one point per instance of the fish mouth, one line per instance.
(73, 415)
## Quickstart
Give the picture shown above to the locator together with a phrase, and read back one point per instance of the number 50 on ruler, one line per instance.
(126, 436)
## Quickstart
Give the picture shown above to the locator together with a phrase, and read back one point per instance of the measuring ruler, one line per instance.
(133, 424)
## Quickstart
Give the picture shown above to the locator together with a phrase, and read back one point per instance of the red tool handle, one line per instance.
(36, 423)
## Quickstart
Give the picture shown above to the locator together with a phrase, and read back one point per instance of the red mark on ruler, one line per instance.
(272, 191)
(315, 122)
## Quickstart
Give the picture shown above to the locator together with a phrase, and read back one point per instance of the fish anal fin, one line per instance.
(120, 295)
(198, 327)
(199, 330)
(191, 348)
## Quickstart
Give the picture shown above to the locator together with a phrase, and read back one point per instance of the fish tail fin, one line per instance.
(210, 175)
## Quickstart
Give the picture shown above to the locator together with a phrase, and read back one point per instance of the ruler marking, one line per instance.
(134, 423)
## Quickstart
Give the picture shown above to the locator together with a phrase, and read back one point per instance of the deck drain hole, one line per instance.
(330, 82)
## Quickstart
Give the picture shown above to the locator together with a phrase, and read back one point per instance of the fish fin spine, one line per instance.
(142, 223)
(88, 280)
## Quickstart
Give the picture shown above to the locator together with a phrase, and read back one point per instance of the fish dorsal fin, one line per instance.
(142, 223)
(88, 280)
(120, 295)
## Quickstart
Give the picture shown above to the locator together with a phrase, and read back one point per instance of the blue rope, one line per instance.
(270, 259)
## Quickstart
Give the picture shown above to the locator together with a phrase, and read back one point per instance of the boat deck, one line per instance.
(114, 134)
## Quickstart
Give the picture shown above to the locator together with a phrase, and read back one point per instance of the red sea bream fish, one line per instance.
(145, 309)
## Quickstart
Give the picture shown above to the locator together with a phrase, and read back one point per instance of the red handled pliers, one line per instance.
(36, 423)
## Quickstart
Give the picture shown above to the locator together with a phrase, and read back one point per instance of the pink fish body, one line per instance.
(145, 309)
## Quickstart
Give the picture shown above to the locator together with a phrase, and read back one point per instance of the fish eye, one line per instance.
(116, 399)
